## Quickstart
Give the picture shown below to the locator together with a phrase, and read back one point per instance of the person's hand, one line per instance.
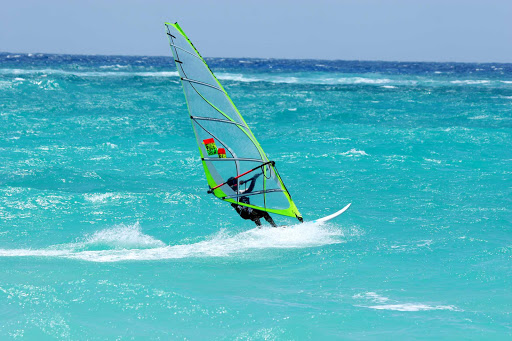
(251, 179)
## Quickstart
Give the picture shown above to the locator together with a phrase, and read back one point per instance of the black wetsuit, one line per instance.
(249, 212)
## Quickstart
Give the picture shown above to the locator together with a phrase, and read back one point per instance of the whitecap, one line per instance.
(359, 80)
(95, 198)
(478, 117)
(99, 158)
(354, 152)
(383, 303)
(470, 81)
(117, 66)
(372, 296)
(144, 143)
(111, 145)
(413, 307)
(237, 77)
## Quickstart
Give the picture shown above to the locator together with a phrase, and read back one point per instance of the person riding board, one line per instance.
(245, 212)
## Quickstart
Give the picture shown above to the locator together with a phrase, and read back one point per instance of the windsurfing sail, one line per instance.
(232, 158)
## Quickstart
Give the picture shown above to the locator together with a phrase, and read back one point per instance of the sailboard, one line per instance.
(230, 154)
(331, 216)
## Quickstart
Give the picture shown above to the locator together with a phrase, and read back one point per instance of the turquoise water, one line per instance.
(106, 230)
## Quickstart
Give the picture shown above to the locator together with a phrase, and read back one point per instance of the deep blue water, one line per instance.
(106, 230)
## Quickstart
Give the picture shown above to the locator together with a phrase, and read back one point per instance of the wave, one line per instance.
(320, 79)
(354, 153)
(98, 197)
(128, 243)
(471, 81)
(413, 307)
(310, 78)
(383, 304)
(478, 117)
(89, 73)
(115, 67)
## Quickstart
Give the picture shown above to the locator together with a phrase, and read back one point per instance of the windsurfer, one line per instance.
(248, 212)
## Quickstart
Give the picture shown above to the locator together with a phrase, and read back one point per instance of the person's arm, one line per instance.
(253, 183)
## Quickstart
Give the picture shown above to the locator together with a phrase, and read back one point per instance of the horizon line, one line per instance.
(260, 58)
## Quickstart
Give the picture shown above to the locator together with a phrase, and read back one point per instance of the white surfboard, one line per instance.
(332, 216)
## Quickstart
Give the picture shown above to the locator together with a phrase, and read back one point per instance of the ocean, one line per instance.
(107, 232)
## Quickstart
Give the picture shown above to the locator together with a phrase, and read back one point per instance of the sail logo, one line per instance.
(211, 148)
(222, 153)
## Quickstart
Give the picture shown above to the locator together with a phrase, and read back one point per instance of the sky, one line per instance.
(401, 30)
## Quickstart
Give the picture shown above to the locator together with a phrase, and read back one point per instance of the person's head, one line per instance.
(233, 183)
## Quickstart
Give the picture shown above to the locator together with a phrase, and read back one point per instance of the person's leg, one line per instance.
(269, 219)
(258, 222)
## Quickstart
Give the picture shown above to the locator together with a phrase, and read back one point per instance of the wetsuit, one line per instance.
(249, 212)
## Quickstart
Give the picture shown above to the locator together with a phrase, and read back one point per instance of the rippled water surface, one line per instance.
(107, 232)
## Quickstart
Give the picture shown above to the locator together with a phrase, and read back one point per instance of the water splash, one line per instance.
(122, 243)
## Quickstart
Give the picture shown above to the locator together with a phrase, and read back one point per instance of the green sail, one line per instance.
(227, 146)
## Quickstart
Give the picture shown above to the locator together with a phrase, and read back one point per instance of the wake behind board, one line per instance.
(332, 216)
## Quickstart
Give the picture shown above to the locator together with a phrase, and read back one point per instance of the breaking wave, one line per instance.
(124, 243)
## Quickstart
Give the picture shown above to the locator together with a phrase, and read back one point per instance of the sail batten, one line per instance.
(223, 135)
(186, 51)
(201, 83)
(231, 159)
(214, 119)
